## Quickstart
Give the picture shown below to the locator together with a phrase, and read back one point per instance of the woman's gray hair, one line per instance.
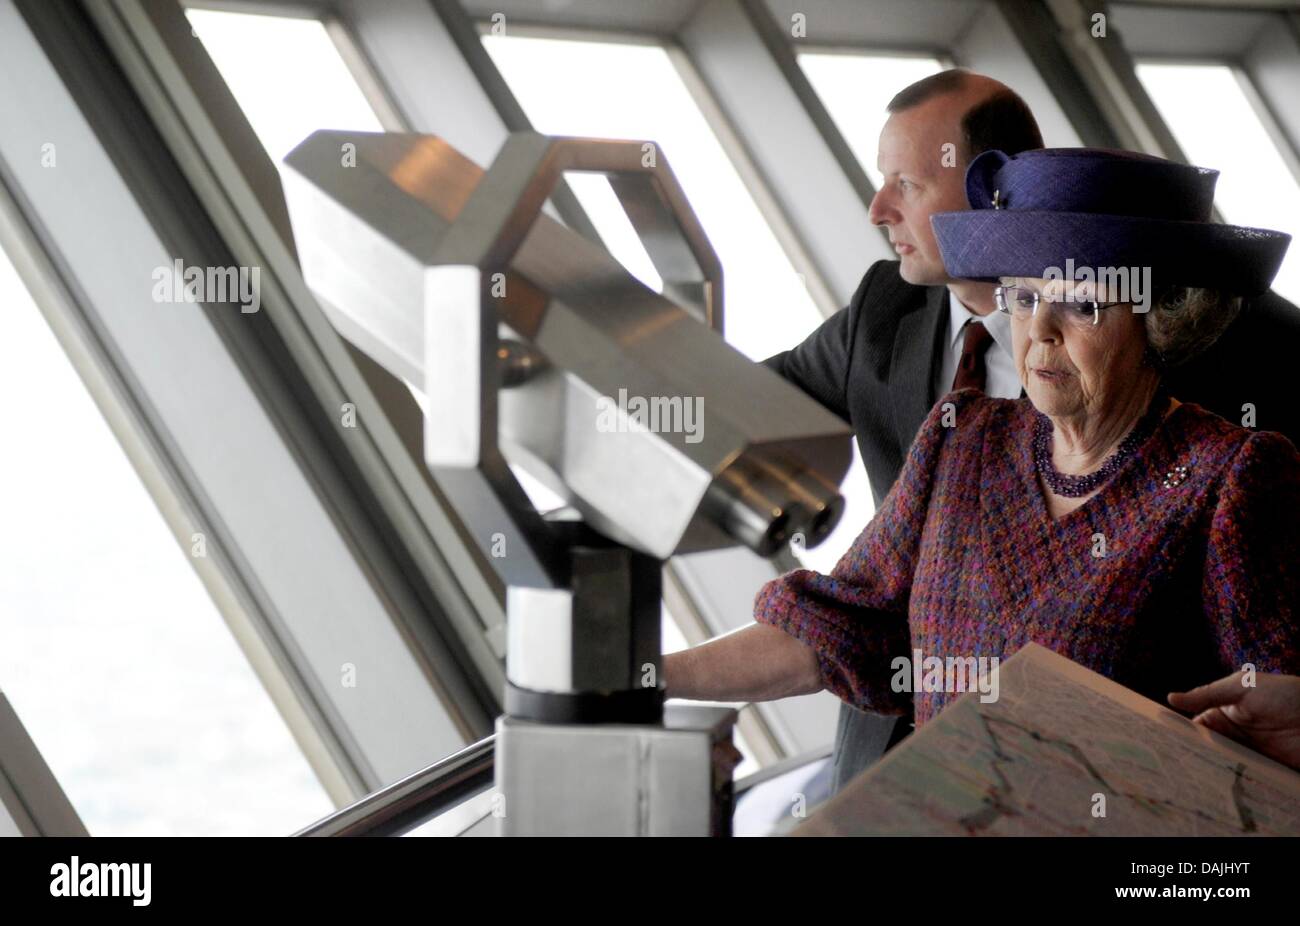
(1185, 320)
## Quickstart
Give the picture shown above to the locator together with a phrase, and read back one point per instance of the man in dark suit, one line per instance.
(911, 333)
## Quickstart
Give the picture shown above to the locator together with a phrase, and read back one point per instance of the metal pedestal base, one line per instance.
(673, 779)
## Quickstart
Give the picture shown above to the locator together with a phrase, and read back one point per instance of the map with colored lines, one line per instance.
(1064, 751)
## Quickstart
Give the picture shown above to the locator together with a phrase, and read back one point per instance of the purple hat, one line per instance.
(1101, 208)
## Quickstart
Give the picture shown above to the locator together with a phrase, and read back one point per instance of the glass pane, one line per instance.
(616, 231)
(111, 652)
(641, 96)
(1216, 125)
(855, 88)
(286, 75)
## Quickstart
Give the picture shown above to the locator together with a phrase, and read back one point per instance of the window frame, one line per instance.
(1261, 46)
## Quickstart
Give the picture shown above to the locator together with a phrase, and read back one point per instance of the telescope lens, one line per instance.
(825, 519)
(763, 506)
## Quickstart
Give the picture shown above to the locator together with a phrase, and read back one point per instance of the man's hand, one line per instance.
(1265, 717)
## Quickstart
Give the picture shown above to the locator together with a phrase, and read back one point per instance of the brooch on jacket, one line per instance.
(1175, 477)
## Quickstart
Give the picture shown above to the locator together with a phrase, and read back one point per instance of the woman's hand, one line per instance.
(755, 663)
(1265, 717)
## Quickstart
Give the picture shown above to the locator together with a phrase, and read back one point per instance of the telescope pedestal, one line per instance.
(586, 745)
(673, 779)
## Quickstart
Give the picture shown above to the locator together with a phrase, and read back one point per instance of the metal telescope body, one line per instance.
(536, 349)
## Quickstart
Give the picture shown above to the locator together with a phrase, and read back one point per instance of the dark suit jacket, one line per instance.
(873, 364)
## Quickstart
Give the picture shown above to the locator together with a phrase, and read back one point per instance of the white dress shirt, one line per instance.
(1001, 380)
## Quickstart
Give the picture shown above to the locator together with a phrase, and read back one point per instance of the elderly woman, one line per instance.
(1144, 538)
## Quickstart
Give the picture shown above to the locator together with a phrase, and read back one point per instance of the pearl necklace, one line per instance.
(1072, 486)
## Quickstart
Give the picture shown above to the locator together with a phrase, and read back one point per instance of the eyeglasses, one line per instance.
(1022, 302)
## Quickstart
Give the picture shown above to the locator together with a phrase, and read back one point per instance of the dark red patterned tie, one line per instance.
(970, 367)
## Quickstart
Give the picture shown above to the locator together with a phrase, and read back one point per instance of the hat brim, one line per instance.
(986, 244)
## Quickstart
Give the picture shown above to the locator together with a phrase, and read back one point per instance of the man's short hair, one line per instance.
(1000, 121)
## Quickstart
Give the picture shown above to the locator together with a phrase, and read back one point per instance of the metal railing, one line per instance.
(415, 799)
(432, 791)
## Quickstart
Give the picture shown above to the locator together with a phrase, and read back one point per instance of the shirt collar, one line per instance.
(997, 323)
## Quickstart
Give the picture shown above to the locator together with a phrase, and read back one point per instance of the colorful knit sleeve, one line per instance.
(1252, 572)
(855, 619)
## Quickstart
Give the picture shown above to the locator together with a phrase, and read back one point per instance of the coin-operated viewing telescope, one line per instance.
(537, 349)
